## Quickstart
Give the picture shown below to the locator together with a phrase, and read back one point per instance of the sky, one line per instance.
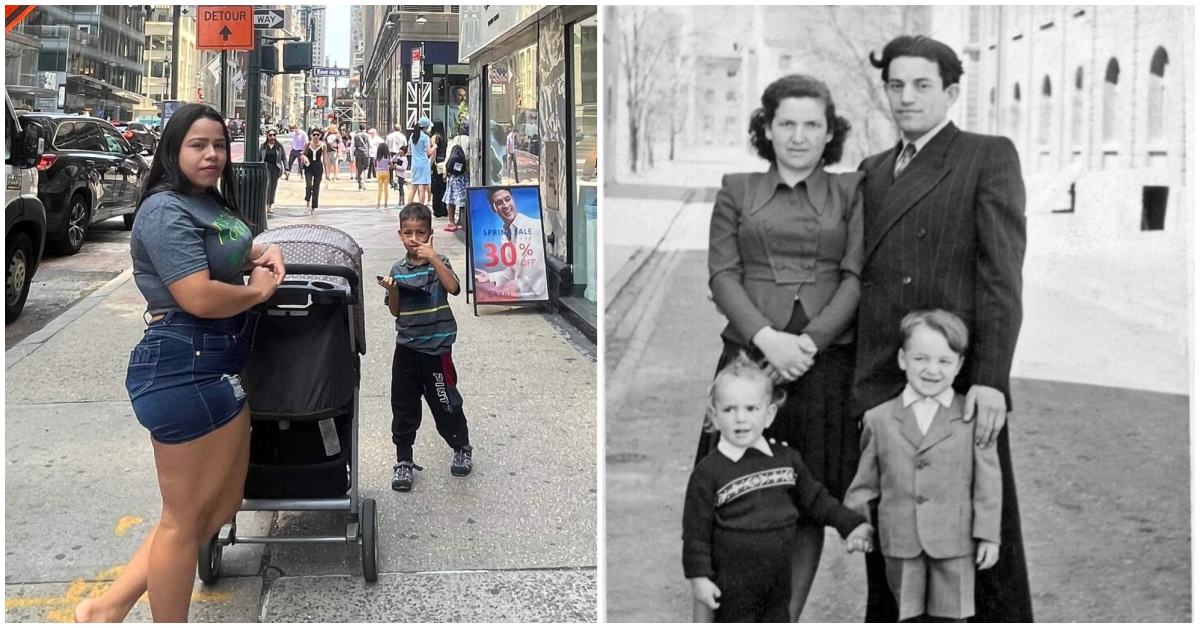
(337, 35)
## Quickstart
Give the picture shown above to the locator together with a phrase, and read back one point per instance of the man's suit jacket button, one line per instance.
(920, 499)
(906, 280)
(922, 464)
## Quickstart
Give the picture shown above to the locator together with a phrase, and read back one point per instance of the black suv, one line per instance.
(139, 135)
(87, 174)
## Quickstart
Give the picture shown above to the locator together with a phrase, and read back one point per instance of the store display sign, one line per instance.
(507, 244)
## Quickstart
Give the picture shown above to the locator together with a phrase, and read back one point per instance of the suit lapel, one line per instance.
(939, 429)
(908, 424)
(921, 175)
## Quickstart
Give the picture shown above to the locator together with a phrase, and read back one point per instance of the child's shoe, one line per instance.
(461, 466)
(402, 476)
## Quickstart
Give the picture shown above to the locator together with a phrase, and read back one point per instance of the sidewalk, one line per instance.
(515, 541)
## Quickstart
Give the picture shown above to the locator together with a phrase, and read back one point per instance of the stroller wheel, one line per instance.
(367, 521)
(209, 565)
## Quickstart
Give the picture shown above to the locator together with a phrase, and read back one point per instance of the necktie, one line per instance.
(906, 156)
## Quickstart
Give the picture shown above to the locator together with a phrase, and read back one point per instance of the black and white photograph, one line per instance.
(898, 313)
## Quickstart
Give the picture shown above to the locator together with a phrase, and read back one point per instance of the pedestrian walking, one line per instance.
(957, 243)
(333, 145)
(362, 146)
(422, 365)
(931, 560)
(510, 154)
(375, 143)
(743, 504)
(299, 140)
(399, 172)
(457, 175)
(190, 246)
(790, 295)
(314, 164)
(272, 155)
(437, 170)
(421, 152)
(396, 146)
(383, 161)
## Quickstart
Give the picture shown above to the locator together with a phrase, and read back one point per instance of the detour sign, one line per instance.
(225, 28)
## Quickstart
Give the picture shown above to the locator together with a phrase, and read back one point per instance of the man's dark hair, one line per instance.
(492, 195)
(949, 67)
(417, 212)
(362, 127)
(797, 86)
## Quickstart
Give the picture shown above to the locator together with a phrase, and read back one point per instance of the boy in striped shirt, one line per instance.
(417, 287)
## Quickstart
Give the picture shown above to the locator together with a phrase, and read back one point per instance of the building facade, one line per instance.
(391, 35)
(156, 83)
(533, 74)
(78, 59)
(1095, 99)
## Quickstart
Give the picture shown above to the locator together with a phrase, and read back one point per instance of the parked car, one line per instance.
(88, 173)
(139, 135)
(24, 215)
(237, 128)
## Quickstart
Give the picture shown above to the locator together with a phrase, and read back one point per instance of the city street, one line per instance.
(514, 541)
(1102, 471)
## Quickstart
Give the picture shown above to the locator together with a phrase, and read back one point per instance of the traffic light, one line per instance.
(319, 103)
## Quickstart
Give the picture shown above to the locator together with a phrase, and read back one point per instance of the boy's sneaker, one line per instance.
(462, 462)
(402, 476)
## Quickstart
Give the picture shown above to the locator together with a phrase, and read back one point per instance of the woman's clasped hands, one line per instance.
(789, 356)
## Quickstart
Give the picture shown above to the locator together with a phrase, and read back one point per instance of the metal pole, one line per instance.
(224, 94)
(253, 99)
(176, 16)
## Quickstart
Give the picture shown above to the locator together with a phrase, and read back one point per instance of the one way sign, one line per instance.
(267, 18)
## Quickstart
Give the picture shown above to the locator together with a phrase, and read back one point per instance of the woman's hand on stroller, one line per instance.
(272, 259)
(262, 279)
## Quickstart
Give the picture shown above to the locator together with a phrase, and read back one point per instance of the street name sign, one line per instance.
(340, 72)
(225, 28)
(268, 18)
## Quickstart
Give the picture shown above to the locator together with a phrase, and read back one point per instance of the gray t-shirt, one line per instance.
(176, 235)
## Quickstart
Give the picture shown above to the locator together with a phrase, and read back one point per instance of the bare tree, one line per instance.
(645, 38)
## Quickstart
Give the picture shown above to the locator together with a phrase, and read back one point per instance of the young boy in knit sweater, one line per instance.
(743, 504)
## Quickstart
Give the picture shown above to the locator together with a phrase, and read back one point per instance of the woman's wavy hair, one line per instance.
(165, 174)
(741, 367)
(797, 86)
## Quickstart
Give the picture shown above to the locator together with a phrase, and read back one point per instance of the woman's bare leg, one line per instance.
(806, 557)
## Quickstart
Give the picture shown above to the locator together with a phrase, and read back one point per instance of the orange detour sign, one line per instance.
(14, 13)
(225, 28)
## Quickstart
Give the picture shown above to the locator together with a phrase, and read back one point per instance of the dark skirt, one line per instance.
(814, 419)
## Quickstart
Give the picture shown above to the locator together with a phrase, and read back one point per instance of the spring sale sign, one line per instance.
(507, 244)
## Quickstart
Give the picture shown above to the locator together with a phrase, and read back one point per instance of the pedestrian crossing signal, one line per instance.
(320, 102)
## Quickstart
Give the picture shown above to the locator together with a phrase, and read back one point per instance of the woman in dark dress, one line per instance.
(272, 154)
(785, 251)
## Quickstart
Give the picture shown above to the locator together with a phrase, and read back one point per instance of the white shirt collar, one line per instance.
(735, 453)
(911, 396)
(924, 139)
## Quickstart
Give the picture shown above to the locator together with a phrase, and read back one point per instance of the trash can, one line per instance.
(250, 193)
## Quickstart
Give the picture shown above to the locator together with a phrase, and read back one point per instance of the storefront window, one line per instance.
(583, 100)
(514, 136)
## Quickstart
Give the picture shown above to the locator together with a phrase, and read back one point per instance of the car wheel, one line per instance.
(78, 219)
(20, 272)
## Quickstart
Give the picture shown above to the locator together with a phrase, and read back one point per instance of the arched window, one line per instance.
(1156, 100)
(1044, 115)
(1111, 77)
(1077, 109)
(1015, 113)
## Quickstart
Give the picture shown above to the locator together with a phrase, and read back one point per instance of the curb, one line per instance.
(617, 284)
(35, 341)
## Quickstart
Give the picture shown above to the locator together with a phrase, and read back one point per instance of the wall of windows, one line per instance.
(512, 108)
(583, 99)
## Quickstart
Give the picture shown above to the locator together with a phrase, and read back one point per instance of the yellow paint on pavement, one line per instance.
(127, 522)
(61, 609)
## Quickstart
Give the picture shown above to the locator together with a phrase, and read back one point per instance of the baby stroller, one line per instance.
(302, 381)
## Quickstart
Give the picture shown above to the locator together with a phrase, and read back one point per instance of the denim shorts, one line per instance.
(184, 377)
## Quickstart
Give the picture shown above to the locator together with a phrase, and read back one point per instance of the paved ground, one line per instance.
(1102, 471)
(513, 542)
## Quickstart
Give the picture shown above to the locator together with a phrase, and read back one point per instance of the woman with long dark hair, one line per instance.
(313, 159)
(785, 252)
(190, 246)
(272, 154)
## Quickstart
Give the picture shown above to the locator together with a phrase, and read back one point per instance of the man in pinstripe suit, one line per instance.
(945, 228)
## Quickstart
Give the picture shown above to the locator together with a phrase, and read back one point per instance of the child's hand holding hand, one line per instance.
(860, 539)
(706, 592)
(986, 554)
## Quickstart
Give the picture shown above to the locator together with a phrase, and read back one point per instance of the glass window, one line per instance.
(584, 45)
(514, 134)
(90, 137)
(66, 137)
(113, 140)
